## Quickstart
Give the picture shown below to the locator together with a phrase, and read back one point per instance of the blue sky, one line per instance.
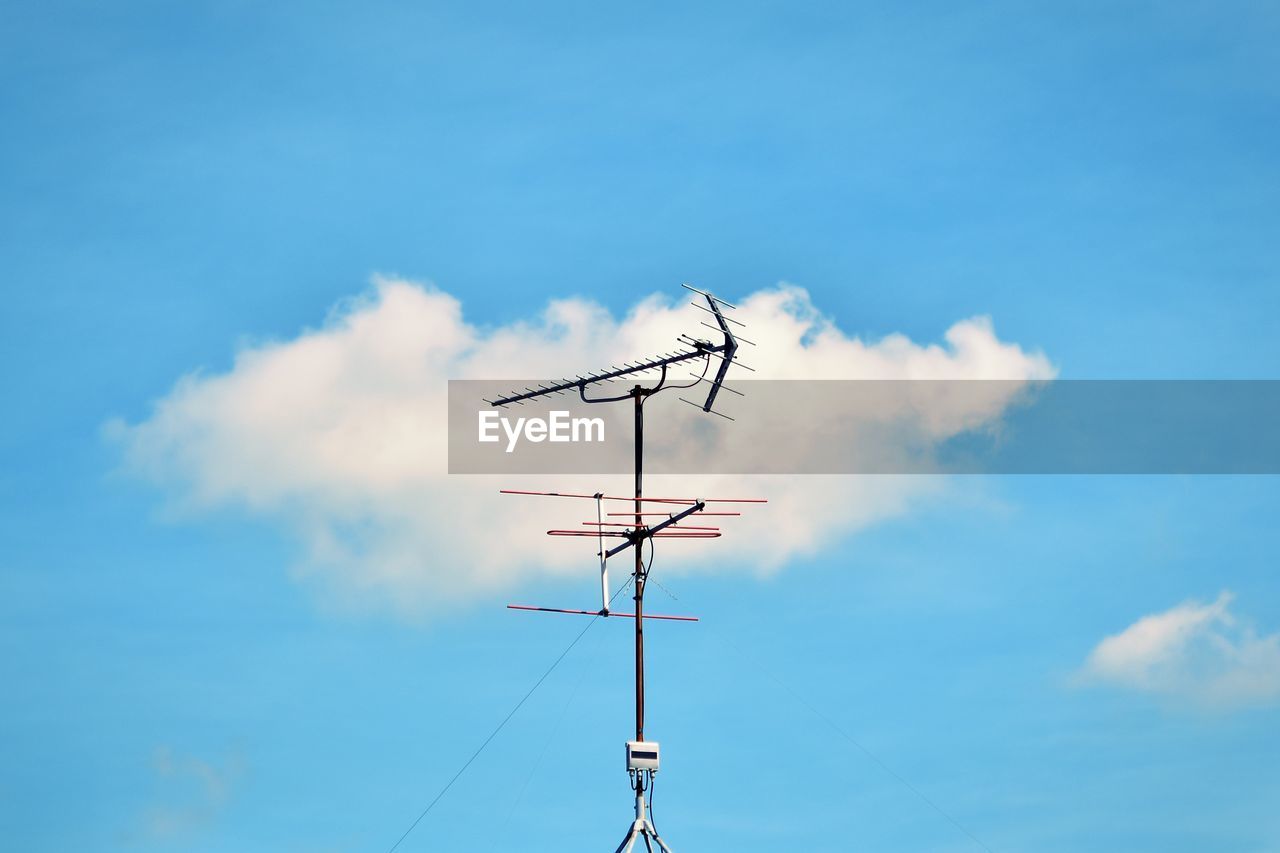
(182, 181)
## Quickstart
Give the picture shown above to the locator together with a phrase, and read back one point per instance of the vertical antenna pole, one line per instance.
(638, 394)
(604, 561)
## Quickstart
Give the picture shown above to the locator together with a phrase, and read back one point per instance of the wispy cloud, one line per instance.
(1197, 652)
(192, 793)
(339, 435)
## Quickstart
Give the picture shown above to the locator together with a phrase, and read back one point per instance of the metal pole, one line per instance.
(638, 394)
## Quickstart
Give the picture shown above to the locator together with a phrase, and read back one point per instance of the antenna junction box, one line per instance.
(642, 755)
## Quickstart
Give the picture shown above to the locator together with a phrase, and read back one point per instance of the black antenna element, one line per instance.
(698, 349)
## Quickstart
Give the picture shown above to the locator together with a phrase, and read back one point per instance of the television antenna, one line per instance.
(643, 755)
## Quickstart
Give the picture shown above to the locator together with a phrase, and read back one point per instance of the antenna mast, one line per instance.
(642, 755)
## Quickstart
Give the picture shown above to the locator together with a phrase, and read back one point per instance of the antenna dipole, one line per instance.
(698, 348)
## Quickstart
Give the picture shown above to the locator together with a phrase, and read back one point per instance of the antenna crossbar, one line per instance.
(619, 534)
(698, 349)
(664, 514)
(660, 616)
(580, 385)
(635, 537)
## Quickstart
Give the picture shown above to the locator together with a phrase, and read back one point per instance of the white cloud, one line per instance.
(339, 435)
(193, 794)
(1198, 652)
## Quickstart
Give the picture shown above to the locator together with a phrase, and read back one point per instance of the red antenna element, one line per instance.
(619, 534)
(665, 514)
(620, 524)
(678, 501)
(642, 755)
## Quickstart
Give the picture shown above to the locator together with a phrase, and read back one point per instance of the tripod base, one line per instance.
(645, 834)
(642, 830)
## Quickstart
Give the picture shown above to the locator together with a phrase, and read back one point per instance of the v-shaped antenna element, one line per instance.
(695, 348)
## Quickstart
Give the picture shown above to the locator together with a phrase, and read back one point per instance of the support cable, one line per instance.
(653, 781)
(555, 729)
(706, 365)
(504, 722)
(877, 761)
(669, 593)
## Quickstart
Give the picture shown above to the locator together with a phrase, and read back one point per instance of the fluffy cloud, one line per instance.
(1197, 652)
(339, 435)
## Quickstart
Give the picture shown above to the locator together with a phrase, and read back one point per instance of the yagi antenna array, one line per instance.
(644, 526)
(695, 349)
